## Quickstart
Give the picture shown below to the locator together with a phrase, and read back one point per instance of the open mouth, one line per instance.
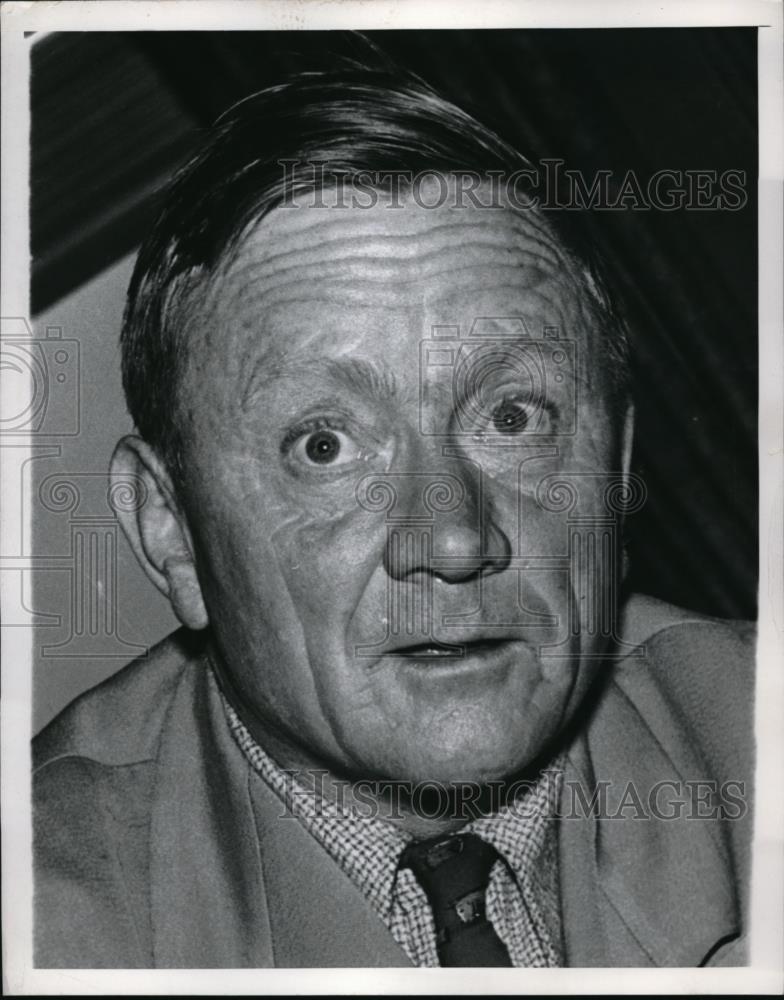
(439, 651)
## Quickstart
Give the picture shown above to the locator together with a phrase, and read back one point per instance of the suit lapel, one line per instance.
(235, 884)
(582, 920)
(208, 904)
(664, 888)
(319, 917)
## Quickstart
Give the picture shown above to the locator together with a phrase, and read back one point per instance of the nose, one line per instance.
(443, 527)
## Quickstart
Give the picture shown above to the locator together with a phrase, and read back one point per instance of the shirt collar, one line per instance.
(368, 849)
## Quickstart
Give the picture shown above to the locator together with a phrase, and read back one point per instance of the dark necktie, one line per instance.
(454, 873)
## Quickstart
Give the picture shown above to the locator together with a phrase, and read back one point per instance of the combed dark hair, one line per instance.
(354, 121)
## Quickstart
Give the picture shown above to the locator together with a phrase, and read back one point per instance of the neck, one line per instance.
(418, 809)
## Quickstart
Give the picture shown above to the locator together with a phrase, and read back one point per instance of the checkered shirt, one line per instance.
(522, 897)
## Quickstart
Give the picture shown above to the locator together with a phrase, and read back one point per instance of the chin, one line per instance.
(475, 763)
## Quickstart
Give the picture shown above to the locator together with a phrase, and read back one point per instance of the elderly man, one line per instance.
(412, 717)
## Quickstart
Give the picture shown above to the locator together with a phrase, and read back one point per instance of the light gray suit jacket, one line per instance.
(156, 845)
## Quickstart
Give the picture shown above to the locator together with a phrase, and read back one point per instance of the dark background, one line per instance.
(114, 114)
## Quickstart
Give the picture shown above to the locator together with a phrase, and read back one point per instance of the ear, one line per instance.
(157, 531)
(627, 440)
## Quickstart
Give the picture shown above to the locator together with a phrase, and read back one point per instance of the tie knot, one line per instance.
(454, 872)
(450, 868)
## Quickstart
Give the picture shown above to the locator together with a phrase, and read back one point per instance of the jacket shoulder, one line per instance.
(91, 850)
(701, 672)
(93, 790)
(705, 669)
(120, 720)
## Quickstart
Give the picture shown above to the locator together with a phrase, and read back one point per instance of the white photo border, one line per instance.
(765, 973)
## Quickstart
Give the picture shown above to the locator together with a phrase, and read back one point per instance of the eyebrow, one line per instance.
(373, 380)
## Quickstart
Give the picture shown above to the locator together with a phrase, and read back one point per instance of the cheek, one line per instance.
(326, 560)
(280, 592)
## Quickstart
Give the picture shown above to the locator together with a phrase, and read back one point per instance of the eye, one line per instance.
(325, 446)
(510, 417)
(513, 416)
(322, 447)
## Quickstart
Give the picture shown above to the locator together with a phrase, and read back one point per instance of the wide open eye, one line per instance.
(322, 447)
(325, 446)
(510, 417)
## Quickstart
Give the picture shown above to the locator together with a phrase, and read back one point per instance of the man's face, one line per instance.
(387, 591)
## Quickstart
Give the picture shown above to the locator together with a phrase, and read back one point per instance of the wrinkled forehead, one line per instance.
(334, 271)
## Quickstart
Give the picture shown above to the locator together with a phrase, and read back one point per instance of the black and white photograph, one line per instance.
(392, 476)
